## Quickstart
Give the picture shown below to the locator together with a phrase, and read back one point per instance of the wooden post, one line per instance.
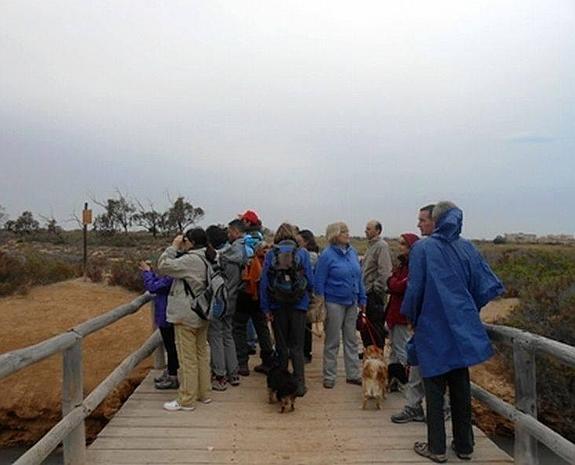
(86, 220)
(73, 396)
(525, 400)
(159, 353)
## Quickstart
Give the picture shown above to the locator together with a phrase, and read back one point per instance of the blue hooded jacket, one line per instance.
(338, 276)
(449, 282)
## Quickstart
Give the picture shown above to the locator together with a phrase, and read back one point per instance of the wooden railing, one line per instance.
(70, 430)
(528, 430)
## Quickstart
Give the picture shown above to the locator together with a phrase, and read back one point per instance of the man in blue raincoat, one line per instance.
(449, 282)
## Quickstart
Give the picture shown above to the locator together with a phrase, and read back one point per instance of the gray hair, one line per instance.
(440, 208)
(335, 229)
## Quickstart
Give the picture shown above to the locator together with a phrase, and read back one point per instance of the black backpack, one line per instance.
(286, 275)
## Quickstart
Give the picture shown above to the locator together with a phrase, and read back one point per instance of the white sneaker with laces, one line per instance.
(174, 406)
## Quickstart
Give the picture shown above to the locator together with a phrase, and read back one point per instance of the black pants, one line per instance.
(248, 308)
(460, 401)
(169, 338)
(375, 312)
(307, 340)
(289, 333)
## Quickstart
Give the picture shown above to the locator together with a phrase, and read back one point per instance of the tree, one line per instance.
(26, 224)
(51, 224)
(499, 240)
(152, 220)
(183, 214)
(119, 213)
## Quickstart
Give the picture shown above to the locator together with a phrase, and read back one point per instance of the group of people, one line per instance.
(427, 305)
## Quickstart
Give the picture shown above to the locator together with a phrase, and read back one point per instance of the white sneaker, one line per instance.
(207, 400)
(174, 406)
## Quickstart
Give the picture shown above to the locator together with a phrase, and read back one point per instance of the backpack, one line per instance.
(212, 302)
(287, 281)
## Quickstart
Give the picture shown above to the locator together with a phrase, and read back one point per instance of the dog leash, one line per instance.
(369, 326)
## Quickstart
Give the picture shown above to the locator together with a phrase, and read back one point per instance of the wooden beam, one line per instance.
(72, 397)
(557, 443)
(525, 447)
(112, 316)
(10, 362)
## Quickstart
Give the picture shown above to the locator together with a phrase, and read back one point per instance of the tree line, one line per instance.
(120, 215)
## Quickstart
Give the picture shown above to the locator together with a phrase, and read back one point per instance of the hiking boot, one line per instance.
(422, 448)
(234, 380)
(355, 381)
(408, 414)
(261, 368)
(171, 382)
(162, 377)
(243, 370)
(219, 383)
(328, 384)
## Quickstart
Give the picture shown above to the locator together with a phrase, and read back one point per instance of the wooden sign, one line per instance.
(86, 216)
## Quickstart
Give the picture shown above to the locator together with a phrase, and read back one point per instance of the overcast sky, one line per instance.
(306, 111)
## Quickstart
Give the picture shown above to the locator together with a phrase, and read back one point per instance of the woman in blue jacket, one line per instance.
(285, 285)
(338, 280)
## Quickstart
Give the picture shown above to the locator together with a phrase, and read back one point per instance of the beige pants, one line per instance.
(194, 358)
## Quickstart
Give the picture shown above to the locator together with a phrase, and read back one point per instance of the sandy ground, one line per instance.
(30, 401)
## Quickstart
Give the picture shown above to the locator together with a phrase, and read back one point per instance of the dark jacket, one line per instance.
(396, 286)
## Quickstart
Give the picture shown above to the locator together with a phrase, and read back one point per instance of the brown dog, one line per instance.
(374, 376)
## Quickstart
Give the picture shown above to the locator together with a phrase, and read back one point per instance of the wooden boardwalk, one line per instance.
(240, 427)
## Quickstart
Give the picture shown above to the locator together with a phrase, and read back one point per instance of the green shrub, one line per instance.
(545, 283)
(125, 273)
(20, 271)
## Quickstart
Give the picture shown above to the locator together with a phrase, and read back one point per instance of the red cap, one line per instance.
(251, 217)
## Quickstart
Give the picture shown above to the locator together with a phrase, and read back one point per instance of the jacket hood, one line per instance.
(448, 226)
(235, 252)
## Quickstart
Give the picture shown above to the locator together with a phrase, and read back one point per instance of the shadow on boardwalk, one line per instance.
(240, 427)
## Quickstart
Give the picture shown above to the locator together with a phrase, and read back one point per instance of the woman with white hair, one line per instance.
(338, 281)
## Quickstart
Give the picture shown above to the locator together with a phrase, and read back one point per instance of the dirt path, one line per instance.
(30, 401)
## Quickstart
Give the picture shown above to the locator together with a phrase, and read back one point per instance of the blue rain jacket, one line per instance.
(338, 276)
(449, 282)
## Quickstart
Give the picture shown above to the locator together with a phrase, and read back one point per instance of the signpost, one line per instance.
(86, 220)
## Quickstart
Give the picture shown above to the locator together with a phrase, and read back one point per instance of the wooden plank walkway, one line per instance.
(240, 427)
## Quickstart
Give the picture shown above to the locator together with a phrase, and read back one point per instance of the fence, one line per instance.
(528, 430)
(71, 430)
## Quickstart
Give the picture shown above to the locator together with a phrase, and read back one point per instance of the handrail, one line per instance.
(43, 448)
(71, 429)
(528, 430)
(507, 335)
(13, 361)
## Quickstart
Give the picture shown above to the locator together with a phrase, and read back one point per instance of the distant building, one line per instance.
(520, 237)
(557, 239)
